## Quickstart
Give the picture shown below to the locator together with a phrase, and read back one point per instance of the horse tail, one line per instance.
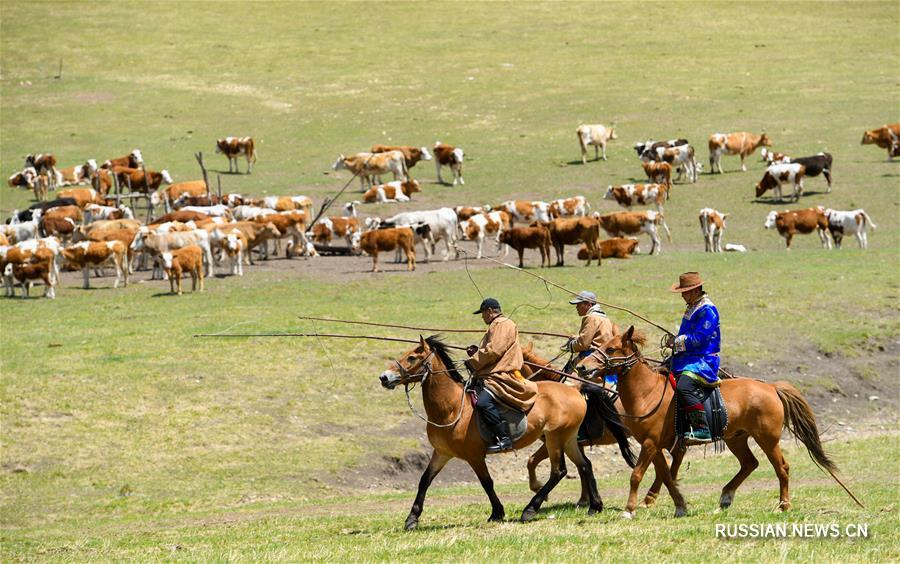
(603, 407)
(801, 422)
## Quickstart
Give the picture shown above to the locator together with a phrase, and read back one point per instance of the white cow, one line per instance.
(596, 135)
(160, 242)
(443, 224)
(712, 225)
(247, 213)
(842, 223)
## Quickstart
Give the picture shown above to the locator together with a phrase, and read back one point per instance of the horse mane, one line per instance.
(639, 338)
(440, 349)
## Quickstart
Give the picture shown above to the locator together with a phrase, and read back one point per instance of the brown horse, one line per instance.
(557, 413)
(755, 409)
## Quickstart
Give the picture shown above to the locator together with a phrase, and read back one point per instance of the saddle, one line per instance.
(516, 421)
(716, 417)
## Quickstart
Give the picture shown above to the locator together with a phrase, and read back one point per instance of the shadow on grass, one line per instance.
(786, 200)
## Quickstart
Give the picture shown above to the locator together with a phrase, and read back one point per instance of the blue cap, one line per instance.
(584, 296)
(488, 303)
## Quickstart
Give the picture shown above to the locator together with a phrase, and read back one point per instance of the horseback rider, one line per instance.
(695, 360)
(496, 363)
(595, 329)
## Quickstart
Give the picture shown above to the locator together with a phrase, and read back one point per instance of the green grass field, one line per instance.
(125, 438)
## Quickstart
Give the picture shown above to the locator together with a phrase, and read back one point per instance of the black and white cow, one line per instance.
(842, 223)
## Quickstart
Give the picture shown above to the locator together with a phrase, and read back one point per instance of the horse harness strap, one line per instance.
(426, 371)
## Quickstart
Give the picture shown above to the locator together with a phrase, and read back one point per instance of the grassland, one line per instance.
(126, 438)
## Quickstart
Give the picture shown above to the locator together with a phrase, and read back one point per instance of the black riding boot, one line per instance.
(699, 428)
(491, 416)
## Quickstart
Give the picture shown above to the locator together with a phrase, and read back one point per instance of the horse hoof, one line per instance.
(528, 514)
(649, 501)
(680, 512)
(411, 523)
(627, 515)
(725, 501)
(582, 503)
(496, 518)
(595, 510)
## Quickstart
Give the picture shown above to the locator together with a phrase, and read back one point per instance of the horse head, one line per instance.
(623, 350)
(409, 368)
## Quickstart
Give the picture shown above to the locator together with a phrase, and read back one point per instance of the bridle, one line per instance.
(625, 364)
(426, 371)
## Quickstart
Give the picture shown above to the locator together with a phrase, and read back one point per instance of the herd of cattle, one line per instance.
(80, 228)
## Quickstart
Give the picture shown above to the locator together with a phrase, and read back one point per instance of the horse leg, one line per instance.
(739, 447)
(653, 493)
(782, 468)
(648, 450)
(435, 465)
(586, 473)
(484, 476)
(534, 460)
(662, 469)
(557, 473)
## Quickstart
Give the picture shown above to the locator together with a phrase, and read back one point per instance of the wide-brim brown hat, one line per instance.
(687, 281)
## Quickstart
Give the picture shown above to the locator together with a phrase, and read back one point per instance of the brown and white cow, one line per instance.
(82, 196)
(617, 247)
(396, 191)
(370, 166)
(712, 226)
(478, 227)
(536, 236)
(87, 255)
(842, 223)
(80, 174)
(628, 195)
(772, 157)
(44, 164)
(26, 178)
(658, 172)
(526, 211)
(286, 203)
(234, 147)
(35, 269)
(576, 206)
(234, 243)
(412, 154)
(792, 222)
(572, 231)
(782, 172)
(335, 226)
(448, 155)
(32, 251)
(191, 188)
(134, 159)
(384, 240)
(633, 223)
(465, 212)
(741, 143)
(597, 135)
(289, 224)
(140, 182)
(886, 137)
(178, 261)
(57, 226)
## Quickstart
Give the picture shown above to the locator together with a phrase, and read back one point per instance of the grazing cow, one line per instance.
(334, 226)
(596, 135)
(177, 261)
(658, 172)
(44, 164)
(814, 166)
(741, 143)
(396, 191)
(842, 223)
(571, 231)
(389, 239)
(234, 147)
(526, 211)
(465, 212)
(886, 137)
(712, 226)
(57, 226)
(536, 236)
(576, 206)
(87, 255)
(782, 172)
(138, 181)
(25, 273)
(632, 223)
(412, 154)
(443, 225)
(477, 227)
(792, 222)
(370, 166)
(628, 195)
(448, 155)
(82, 196)
(617, 247)
(133, 159)
(26, 178)
(680, 157)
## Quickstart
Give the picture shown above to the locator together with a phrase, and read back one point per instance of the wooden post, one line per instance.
(115, 184)
(219, 186)
(199, 157)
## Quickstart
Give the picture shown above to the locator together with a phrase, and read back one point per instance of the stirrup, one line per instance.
(693, 437)
(503, 444)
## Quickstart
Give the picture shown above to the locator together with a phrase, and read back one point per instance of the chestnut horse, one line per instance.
(452, 431)
(755, 409)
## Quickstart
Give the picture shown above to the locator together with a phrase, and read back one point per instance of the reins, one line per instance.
(427, 371)
(629, 362)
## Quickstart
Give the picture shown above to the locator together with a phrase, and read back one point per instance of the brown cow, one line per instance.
(378, 240)
(448, 155)
(87, 255)
(596, 135)
(335, 226)
(741, 143)
(571, 231)
(412, 154)
(886, 137)
(633, 223)
(370, 166)
(617, 247)
(181, 215)
(138, 182)
(191, 188)
(177, 261)
(535, 237)
(289, 224)
(57, 226)
(133, 159)
(658, 172)
(73, 212)
(24, 179)
(233, 147)
(82, 196)
(257, 234)
(792, 222)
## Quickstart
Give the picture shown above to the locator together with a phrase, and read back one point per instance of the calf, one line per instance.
(87, 255)
(412, 154)
(596, 135)
(712, 226)
(370, 166)
(576, 206)
(133, 159)
(535, 237)
(176, 262)
(234, 147)
(658, 172)
(792, 222)
(448, 155)
(841, 223)
(396, 191)
(771, 157)
(43, 163)
(782, 172)
(741, 143)
(442, 223)
(617, 247)
(886, 137)
(477, 227)
(526, 211)
(25, 273)
(465, 212)
(571, 231)
(378, 240)
(234, 243)
(633, 223)
(628, 195)
(680, 157)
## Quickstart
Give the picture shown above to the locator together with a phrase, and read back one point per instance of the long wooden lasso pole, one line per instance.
(430, 329)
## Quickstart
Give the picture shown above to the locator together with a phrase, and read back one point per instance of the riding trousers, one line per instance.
(487, 408)
(692, 392)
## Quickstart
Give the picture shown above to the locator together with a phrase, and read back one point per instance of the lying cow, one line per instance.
(396, 191)
(597, 135)
(448, 155)
(632, 223)
(389, 239)
(886, 137)
(535, 237)
(25, 178)
(792, 222)
(741, 143)
(234, 147)
(842, 223)
(617, 247)
(712, 226)
(782, 172)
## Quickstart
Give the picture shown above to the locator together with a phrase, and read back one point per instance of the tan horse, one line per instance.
(557, 413)
(755, 409)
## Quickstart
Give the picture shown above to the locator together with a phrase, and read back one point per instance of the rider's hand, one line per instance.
(670, 341)
(471, 350)
(567, 346)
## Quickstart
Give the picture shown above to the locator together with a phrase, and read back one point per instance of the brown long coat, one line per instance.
(497, 363)
(595, 330)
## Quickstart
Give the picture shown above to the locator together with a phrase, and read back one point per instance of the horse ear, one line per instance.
(529, 347)
(628, 334)
(422, 342)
